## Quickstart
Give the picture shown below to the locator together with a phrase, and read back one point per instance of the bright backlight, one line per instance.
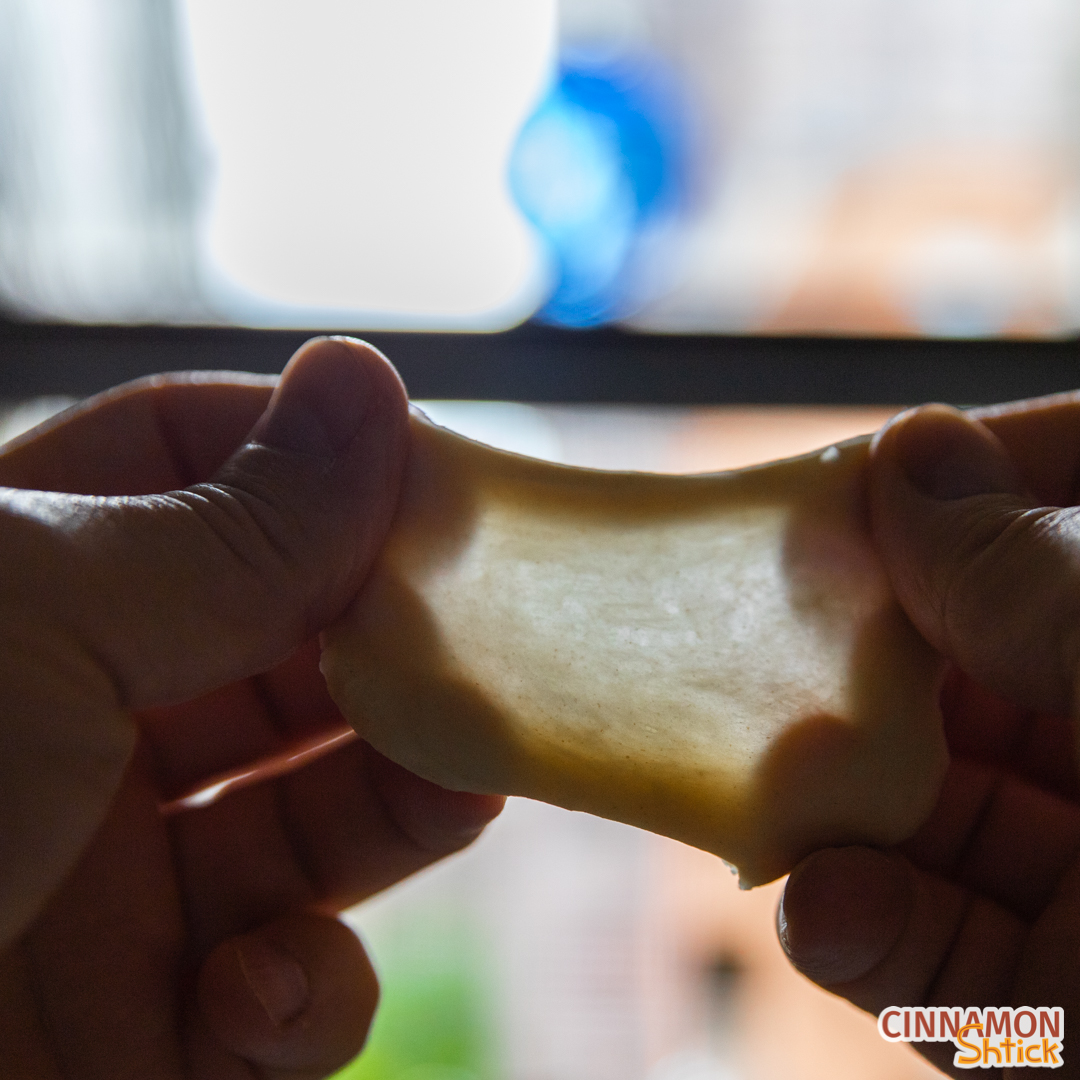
(361, 156)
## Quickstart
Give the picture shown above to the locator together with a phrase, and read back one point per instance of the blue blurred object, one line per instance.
(600, 163)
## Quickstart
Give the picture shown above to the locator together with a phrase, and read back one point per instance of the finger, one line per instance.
(326, 837)
(175, 594)
(842, 911)
(980, 726)
(360, 823)
(1050, 972)
(998, 836)
(435, 820)
(880, 932)
(240, 724)
(989, 578)
(332, 833)
(150, 435)
(294, 997)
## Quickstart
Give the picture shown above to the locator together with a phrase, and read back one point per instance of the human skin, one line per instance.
(151, 641)
(975, 518)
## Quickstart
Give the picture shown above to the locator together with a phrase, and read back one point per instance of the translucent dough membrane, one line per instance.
(717, 658)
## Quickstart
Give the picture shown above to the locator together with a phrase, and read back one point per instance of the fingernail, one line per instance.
(947, 455)
(318, 407)
(841, 912)
(275, 978)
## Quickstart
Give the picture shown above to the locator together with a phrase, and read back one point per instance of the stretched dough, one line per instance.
(718, 658)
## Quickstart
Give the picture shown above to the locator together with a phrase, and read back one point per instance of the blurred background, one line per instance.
(683, 171)
(851, 166)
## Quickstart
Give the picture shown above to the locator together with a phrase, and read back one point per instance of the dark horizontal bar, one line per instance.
(544, 364)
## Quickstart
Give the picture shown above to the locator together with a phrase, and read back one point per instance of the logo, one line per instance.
(984, 1038)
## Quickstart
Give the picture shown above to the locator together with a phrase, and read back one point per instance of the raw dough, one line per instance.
(717, 658)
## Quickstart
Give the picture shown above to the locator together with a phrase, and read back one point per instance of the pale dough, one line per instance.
(717, 658)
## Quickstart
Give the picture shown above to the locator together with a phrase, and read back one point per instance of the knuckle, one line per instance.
(252, 525)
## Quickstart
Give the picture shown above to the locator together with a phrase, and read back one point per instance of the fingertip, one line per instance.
(944, 454)
(330, 391)
(842, 911)
(436, 819)
(296, 994)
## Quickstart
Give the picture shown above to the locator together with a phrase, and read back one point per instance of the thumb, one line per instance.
(991, 579)
(174, 594)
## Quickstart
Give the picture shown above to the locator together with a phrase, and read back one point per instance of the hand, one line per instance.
(148, 641)
(977, 527)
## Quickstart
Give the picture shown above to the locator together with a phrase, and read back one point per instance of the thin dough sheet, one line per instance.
(717, 658)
